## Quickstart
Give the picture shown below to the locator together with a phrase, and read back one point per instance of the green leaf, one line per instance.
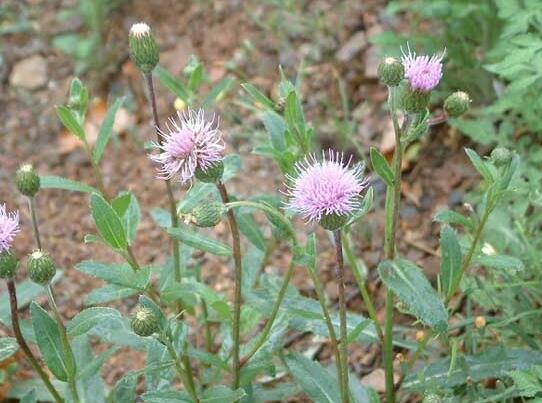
(69, 120)
(410, 285)
(258, 96)
(450, 261)
(293, 112)
(199, 241)
(93, 367)
(196, 75)
(106, 129)
(90, 317)
(172, 84)
(125, 389)
(217, 92)
(109, 293)
(194, 196)
(8, 347)
(381, 167)
(57, 182)
(30, 397)
(482, 168)
(501, 262)
(319, 384)
(528, 382)
(276, 128)
(366, 205)
(250, 229)
(222, 394)
(127, 208)
(108, 223)
(451, 217)
(49, 342)
(118, 274)
(494, 362)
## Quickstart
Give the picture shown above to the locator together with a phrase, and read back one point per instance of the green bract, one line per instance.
(41, 268)
(27, 180)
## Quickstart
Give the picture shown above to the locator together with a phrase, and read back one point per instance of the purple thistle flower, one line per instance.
(9, 226)
(190, 142)
(422, 72)
(325, 187)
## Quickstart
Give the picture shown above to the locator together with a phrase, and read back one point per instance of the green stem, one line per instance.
(470, 253)
(188, 384)
(273, 316)
(24, 346)
(319, 289)
(34, 216)
(68, 353)
(393, 197)
(171, 198)
(343, 346)
(352, 261)
(236, 322)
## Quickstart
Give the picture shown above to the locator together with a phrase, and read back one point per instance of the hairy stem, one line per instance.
(68, 353)
(352, 261)
(393, 197)
(22, 342)
(171, 198)
(343, 347)
(236, 323)
(280, 297)
(187, 382)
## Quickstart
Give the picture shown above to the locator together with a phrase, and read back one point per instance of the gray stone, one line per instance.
(30, 73)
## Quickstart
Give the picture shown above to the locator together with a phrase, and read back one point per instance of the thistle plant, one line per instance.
(247, 330)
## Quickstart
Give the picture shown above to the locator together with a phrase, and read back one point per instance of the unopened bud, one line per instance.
(41, 268)
(144, 322)
(27, 181)
(8, 265)
(501, 156)
(333, 222)
(415, 101)
(420, 336)
(480, 322)
(391, 72)
(143, 48)
(211, 174)
(457, 104)
(207, 214)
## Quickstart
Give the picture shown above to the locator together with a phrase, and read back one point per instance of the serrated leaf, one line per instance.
(318, 383)
(57, 182)
(412, 288)
(106, 129)
(90, 317)
(450, 261)
(108, 223)
(198, 241)
(381, 167)
(49, 342)
(69, 120)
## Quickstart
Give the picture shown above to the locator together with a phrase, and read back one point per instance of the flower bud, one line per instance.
(212, 174)
(501, 156)
(8, 265)
(145, 323)
(207, 214)
(41, 268)
(143, 48)
(415, 101)
(457, 104)
(27, 181)
(333, 222)
(391, 72)
(479, 322)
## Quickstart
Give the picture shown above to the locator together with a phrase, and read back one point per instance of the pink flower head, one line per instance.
(325, 187)
(422, 72)
(190, 142)
(9, 226)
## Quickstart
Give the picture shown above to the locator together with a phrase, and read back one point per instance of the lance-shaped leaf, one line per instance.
(108, 222)
(450, 261)
(199, 241)
(381, 167)
(412, 288)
